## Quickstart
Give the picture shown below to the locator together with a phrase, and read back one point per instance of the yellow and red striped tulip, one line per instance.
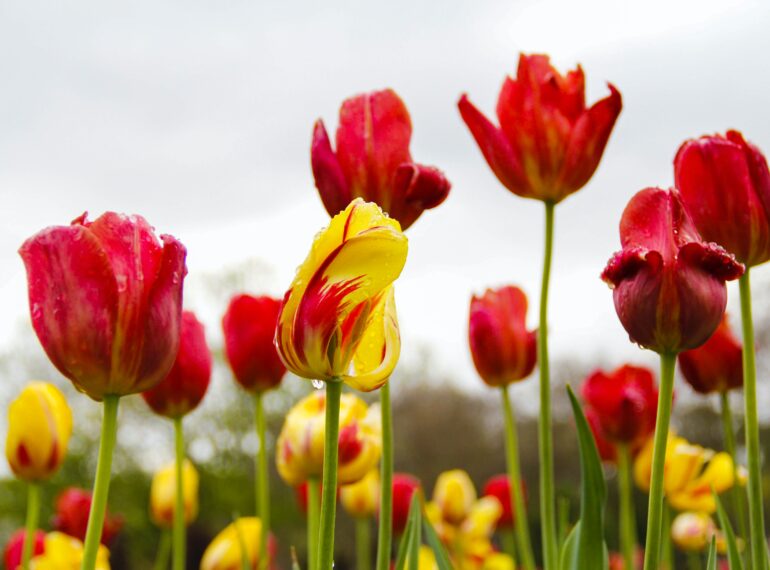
(39, 428)
(455, 495)
(163, 494)
(338, 318)
(692, 532)
(362, 498)
(225, 551)
(300, 447)
(64, 552)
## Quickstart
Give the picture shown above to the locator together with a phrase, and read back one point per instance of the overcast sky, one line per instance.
(198, 116)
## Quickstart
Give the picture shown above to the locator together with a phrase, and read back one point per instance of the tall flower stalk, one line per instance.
(262, 478)
(30, 527)
(385, 530)
(627, 511)
(329, 483)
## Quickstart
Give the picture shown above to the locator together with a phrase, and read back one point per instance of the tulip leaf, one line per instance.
(712, 560)
(585, 547)
(733, 552)
(404, 548)
(442, 558)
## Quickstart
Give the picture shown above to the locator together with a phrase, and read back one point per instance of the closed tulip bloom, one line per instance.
(373, 162)
(626, 402)
(548, 144)
(503, 350)
(608, 452)
(249, 329)
(39, 428)
(717, 365)
(106, 301)
(64, 552)
(183, 388)
(454, 494)
(692, 531)
(72, 508)
(225, 552)
(362, 498)
(725, 185)
(404, 486)
(300, 446)
(14, 549)
(163, 493)
(338, 319)
(668, 285)
(499, 487)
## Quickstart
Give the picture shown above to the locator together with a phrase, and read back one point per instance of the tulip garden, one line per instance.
(106, 302)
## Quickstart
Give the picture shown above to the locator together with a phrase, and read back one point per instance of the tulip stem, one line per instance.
(756, 516)
(627, 515)
(521, 524)
(164, 549)
(385, 531)
(263, 483)
(547, 496)
(363, 543)
(179, 538)
(694, 561)
(655, 510)
(668, 550)
(313, 515)
(329, 485)
(33, 514)
(508, 542)
(737, 492)
(102, 482)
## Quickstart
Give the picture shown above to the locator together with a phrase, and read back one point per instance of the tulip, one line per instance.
(725, 184)
(608, 452)
(15, 547)
(499, 487)
(234, 546)
(64, 552)
(499, 561)
(71, 514)
(404, 486)
(163, 494)
(361, 501)
(373, 161)
(454, 494)
(105, 300)
(547, 146)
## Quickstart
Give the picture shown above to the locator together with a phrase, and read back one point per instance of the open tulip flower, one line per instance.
(234, 545)
(373, 162)
(12, 555)
(71, 513)
(64, 552)
(163, 494)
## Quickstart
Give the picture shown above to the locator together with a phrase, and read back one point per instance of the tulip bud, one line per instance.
(715, 366)
(63, 552)
(499, 487)
(39, 428)
(548, 144)
(668, 285)
(225, 551)
(692, 531)
(362, 499)
(300, 446)
(404, 486)
(373, 162)
(725, 185)
(625, 401)
(15, 548)
(503, 350)
(338, 319)
(73, 506)
(454, 494)
(249, 329)
(163, 494)
(106, 301)
(187, 381)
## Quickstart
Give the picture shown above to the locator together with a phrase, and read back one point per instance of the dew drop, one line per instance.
(317, 384)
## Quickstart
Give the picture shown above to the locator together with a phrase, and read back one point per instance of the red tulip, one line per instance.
(499, 487)
(717, 365)
(607, 450)
(73, 506)
(503, 350)
(106, 301)
(625, 402)
(373, 162)
(404, 486)
(187, 381)
(249, 327)
(15, 547)
(548, 144)
(725, 185)
(668, 285)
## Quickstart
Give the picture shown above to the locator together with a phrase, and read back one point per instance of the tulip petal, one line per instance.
(416, 187)
(327, 172)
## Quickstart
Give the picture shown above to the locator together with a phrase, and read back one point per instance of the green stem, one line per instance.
(101, 483)
(384, 536)
(363, 543)
(547, 493)
(263, 483)
(33, 515)
(756, 515)
(179, 538)
(164, 550)
(508, 541)
(627, 515)
(313, 518)
(415, 541)
(329, 486)
(563, 506)
(694, 561)
(736, 492)
(521, 524)
(655, 511)
(668, 549)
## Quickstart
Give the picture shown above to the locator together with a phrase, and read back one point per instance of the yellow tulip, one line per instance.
(362, 499)
(338, 319)
(692, 532)
(163, 494)
(499, 561)
(300, 446)
(426, 559)
(39, 429)
(225, 551)
(690, 474)
(63, 552)
(454, 494)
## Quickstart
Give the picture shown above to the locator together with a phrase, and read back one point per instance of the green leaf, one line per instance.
(411, 533)
(589, 549)
(712, 561)
(442, 558)
(733, 552)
